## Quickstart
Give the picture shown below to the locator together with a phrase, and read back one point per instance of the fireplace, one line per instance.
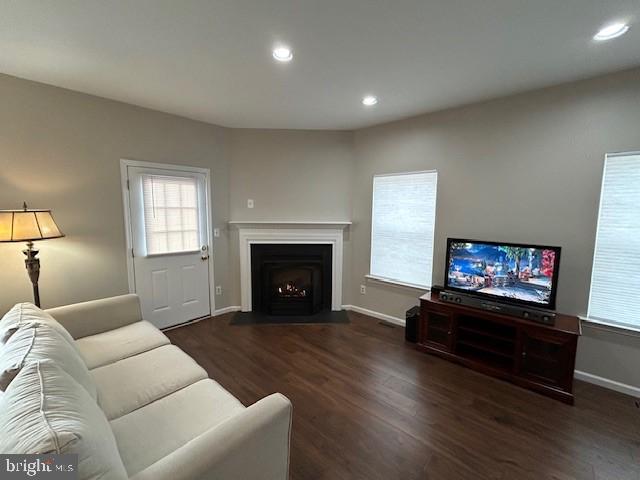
(291, 279)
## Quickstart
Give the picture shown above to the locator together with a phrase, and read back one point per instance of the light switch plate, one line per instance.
(218, 289)
(216, 232)
(250, 203)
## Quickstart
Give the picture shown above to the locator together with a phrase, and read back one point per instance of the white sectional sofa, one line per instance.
(146, 410)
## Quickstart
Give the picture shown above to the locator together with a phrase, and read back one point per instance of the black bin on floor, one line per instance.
(411, 327)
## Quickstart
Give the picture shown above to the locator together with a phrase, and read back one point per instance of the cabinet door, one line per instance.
(547, 358)
(437, 330)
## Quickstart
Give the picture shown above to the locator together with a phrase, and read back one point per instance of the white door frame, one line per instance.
(131, 276)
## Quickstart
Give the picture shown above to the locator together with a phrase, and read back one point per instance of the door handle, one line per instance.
(205, 253)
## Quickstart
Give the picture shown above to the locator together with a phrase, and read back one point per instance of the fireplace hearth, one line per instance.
(291, 279)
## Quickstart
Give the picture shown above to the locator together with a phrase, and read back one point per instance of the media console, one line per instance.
(532, 355)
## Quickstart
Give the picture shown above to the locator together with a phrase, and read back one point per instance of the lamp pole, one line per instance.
(33, 269)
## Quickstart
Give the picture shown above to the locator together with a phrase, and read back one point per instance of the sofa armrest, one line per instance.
(253, 445)
(97, 316)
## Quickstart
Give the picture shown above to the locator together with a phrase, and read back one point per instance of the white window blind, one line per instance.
(402, 225)
(615, 279)
(170, 214)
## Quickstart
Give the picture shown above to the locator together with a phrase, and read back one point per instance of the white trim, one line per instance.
(124, 177)
(290, 222)
(251, 236)
(222, 311)
(380, 316)
(607, 383)
(615, 328)
(396, 282)
(397, 174)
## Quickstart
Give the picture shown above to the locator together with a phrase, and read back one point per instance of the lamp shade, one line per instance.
(27, 225)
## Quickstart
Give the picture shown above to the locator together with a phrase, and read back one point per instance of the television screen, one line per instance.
(516, 273)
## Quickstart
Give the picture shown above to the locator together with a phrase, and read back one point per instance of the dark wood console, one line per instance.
(531, 355)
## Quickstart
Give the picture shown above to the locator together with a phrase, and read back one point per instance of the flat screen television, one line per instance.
(505, 272)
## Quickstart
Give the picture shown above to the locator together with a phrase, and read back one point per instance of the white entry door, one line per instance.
(169, 233)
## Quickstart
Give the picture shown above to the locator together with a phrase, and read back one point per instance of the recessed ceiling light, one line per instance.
(611, 31)
(369, 100)
(282, 54)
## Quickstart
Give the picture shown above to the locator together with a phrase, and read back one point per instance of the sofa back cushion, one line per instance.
(98, 316)
(25, 314)
(37, 342)
(44, 410)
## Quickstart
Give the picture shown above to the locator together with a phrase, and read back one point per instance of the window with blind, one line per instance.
(615, 278)
(402, 227)
(170, 214)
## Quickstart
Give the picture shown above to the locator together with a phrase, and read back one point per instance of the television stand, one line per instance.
(534, 356)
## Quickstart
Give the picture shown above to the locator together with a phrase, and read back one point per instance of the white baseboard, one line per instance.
(222, 311)
(378, 315)
(607, 383)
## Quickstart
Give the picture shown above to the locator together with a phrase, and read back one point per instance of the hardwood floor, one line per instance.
(368, 406)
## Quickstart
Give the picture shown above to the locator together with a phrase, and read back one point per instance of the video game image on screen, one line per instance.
(517, 273)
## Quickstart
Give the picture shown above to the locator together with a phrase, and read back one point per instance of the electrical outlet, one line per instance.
(250, 203)
(218, 289)
(216, 232)
(363, 289)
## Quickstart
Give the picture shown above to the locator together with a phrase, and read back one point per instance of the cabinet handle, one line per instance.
(449, 332)
(524, 354)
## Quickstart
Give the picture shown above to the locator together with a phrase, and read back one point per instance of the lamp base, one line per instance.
(33, 269)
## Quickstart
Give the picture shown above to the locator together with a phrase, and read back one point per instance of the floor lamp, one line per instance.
(28, 225)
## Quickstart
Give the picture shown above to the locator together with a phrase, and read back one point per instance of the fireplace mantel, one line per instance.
(291, 223)
(290, 232)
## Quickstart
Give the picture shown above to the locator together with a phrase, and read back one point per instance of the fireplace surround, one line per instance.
(290, 233)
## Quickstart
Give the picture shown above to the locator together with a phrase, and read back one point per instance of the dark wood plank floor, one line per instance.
(368, 406)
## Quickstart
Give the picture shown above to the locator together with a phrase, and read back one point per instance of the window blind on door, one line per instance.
(615, 278)
(402, 227)
(170, 214)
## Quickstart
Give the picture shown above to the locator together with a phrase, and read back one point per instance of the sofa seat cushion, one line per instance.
(152, 432)
(108, 347)
(39, 342)
(45, 410)
(132, 383)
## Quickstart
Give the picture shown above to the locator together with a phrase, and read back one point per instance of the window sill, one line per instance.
(397, 283)
(611, 327)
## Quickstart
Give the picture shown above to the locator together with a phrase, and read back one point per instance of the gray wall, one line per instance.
(291, 174)
(525, 169)
(62, 150)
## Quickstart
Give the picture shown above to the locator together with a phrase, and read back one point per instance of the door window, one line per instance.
(170, 214)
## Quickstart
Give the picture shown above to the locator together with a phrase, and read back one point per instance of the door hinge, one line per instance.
(127, 184)
(133, 255)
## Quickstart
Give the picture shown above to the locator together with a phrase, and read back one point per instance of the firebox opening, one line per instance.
(291, 279)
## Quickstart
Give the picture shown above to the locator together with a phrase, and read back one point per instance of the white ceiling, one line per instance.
(211, 60)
